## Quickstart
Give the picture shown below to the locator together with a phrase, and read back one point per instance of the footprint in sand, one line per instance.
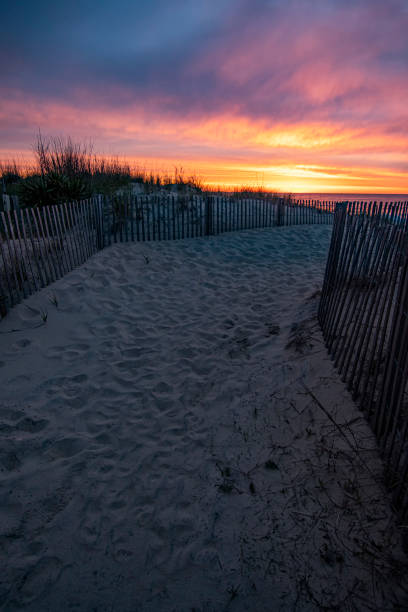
(39, 579)
(31, 425)
(23, 343)
(65, 448)
(11, 414)
(90, 529)
(56, 502)
(132, 352)
(79, 379)
(9, 461)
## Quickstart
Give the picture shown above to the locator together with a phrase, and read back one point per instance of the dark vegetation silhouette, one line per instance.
(65, 170)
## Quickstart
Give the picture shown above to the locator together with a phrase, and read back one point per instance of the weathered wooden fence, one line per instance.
(364, 317)
(8, 203)
(40, 245)
(127, 218)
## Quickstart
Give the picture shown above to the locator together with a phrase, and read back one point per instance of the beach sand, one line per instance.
(175, 437)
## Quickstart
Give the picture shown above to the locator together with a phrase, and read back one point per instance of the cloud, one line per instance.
(280, 81)
(262, 58)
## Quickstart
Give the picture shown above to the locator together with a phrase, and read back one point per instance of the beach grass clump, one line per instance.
(178, 181)
(52, 188)
(65, 170)
(11, 175)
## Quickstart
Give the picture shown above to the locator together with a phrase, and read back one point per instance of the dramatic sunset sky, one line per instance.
(296, 95)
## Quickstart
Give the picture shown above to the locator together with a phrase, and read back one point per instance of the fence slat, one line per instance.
(9, 265)
(363, 313)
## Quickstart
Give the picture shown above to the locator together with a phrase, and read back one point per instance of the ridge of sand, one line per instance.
(159, 449)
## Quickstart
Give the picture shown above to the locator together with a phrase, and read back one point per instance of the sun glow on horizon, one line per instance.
(229, 94)
(279, 177)
(229, 152)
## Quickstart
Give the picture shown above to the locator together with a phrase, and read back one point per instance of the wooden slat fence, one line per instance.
(129, 218)
(9, 203)
(363, 313)
(40, 245)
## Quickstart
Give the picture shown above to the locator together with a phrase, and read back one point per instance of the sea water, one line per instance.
(353, 197)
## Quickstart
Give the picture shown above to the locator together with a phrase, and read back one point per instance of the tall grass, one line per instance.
(168, 181)
(67, 170)
(10, 176)
(247, 191)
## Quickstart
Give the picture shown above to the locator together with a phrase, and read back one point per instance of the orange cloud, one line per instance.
(231, 150)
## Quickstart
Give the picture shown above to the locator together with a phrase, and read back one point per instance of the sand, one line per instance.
(174, 437)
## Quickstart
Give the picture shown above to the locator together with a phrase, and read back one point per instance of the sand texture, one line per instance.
(175, 438)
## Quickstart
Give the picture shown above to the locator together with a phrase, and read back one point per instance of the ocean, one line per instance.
(353, 197)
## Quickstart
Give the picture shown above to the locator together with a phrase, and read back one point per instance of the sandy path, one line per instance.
(160, 452)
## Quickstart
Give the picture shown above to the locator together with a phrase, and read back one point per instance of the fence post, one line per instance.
(6, 203)
(3, 296)
(15, 203)
(395, 375)
(3, 305)
(99, 210)
(280, 213)
(208, 215)
(332, 263)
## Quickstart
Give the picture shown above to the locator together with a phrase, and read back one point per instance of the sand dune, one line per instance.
(161, 449)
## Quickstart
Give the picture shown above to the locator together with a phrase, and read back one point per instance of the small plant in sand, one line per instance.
(233, 592)
(271, 465)
(299, 337)
(53, 299)
(226, 487)
(228, 484)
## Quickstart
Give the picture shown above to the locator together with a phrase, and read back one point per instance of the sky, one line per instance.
(291, 95)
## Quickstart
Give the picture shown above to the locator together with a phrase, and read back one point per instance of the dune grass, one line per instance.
(65, 170)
